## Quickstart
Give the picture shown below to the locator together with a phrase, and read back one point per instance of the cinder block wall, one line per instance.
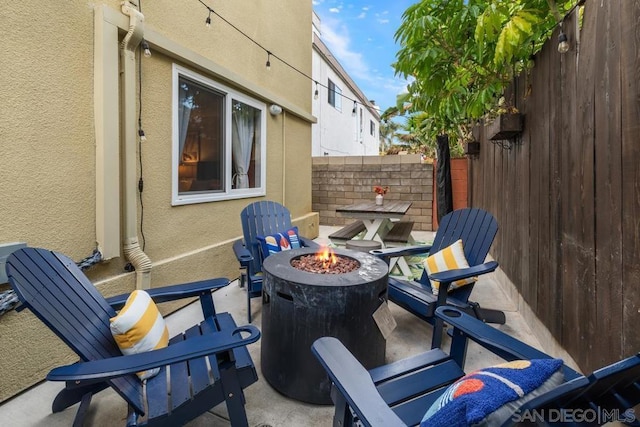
(340, 181)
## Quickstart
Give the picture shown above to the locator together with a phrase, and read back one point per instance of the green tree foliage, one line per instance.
(388, 133)
(461, 54)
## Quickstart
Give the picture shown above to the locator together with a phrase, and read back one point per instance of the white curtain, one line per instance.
(185, 105)
(242, 141)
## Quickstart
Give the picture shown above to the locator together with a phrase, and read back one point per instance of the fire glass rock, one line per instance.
(314, 264)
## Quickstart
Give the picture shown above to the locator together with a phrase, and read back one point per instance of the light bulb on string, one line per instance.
(563, 43)
(268, 64)
(353, 112)
(208, 20)
(145, 48)
(315, 94)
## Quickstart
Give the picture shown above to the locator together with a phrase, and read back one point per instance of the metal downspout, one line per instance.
(132, 250)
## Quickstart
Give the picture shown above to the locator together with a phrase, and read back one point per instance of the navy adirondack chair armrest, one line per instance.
(192, 348)
(463, 273)
(494, 340)
(386, 254)
(242, 253)
(174, 292)
(354, 383)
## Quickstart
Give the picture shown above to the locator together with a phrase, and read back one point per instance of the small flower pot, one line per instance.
(471, 148)
(379, 200)
(505, 126)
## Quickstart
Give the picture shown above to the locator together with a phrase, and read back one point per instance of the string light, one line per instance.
(145, 48)
(271, 54)
(208, 20)
(353, 112)
(563, 44)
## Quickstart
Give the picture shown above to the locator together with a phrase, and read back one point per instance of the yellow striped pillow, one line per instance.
(140, 327)
(450, 258)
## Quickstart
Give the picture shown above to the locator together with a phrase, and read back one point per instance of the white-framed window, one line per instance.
(219, 141)
(334, 95)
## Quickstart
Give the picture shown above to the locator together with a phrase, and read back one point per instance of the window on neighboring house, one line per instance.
(219, 141)
(335, 95)
(372, 128)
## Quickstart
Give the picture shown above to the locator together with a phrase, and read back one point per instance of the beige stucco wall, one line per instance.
(47, 141)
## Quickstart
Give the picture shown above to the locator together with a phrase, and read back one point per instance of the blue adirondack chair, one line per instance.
(60, 295)
(259, 219)
(399, 394)
(477, 229)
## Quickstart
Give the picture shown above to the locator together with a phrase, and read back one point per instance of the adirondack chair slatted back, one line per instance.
(262, 219)
(615, 386)
(476, 228)
(61, 296)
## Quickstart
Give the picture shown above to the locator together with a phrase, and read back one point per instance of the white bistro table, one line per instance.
(377, 220)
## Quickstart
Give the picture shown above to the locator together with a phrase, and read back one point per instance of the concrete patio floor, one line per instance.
(265, 406)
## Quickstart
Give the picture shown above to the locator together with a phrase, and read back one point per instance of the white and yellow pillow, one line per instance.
(450, 258)
(140, 327)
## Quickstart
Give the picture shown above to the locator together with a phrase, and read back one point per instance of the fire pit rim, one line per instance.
(279, 265)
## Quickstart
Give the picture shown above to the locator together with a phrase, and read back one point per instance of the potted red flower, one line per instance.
(380, 192)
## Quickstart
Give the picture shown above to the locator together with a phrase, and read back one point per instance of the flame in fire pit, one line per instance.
(325, 261)
(326, 256)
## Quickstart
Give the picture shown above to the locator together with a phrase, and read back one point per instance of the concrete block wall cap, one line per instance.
(410, 158)
(372, 160)
(391, 159)
(322, 160)
(353, 160)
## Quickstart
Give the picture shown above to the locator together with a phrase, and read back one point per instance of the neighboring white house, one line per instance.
(344, 127)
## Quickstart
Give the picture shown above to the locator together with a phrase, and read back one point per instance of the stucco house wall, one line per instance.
(54, 159)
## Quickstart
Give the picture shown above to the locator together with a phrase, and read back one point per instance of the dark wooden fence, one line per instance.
(567, 192)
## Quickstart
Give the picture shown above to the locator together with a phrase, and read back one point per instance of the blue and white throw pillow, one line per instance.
(279, 242)
(294, 240)
(489, 396)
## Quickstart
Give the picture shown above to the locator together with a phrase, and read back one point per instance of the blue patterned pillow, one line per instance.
(491, 395)
(279, 242)
(294, 240)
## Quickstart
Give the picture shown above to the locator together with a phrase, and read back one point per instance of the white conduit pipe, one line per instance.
(284, 158)
(132, 250)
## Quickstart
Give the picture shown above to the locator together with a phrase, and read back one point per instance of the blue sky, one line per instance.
(361, 35)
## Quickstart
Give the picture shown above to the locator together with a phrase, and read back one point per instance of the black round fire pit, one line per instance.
(299, 307)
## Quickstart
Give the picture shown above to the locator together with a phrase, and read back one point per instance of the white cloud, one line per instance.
(361, 58)
(316, 2)
(336, 35)
(381, 17)
(334, 10)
